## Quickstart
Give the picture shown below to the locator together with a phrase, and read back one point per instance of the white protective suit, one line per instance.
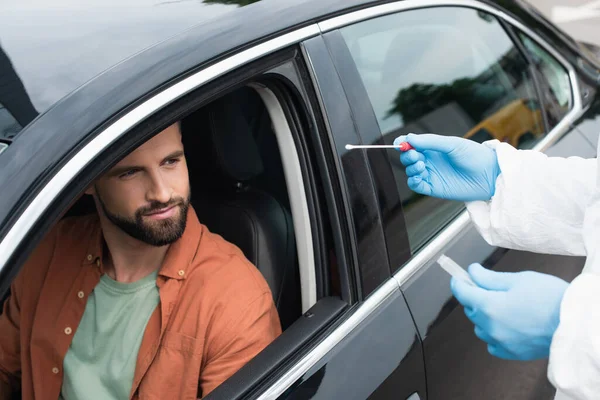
(551, 205)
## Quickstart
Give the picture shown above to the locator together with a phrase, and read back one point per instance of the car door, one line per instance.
(345, 346)
(361, 357)
(372, 349)
(467, 71)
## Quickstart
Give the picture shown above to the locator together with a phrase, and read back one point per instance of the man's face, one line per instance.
(147, 194)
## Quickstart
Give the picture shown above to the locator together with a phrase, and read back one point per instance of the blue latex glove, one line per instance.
(450, 167)
(516, 314)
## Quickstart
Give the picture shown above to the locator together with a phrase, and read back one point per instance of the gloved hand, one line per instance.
(450, 167)
(516, 314)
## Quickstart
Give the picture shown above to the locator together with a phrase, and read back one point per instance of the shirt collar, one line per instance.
(93, 254)
(179, 255)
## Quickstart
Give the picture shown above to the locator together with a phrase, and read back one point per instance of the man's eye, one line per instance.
(172, 161)
(129, 173)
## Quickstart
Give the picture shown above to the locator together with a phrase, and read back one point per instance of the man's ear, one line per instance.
(91, 190)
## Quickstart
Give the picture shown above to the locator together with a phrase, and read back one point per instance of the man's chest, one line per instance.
(72, 329)
(103, 353)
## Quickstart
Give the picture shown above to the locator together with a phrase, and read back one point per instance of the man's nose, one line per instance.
(159, 191)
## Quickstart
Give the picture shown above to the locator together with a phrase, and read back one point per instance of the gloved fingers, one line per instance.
(489, 279)
(500, 352)
(468, 295)
(476, 316)
(415, 169)
(419, 185)
(484, 336)
(398, 140)
(428, 141)
(410, 157)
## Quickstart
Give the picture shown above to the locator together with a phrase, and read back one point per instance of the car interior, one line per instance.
(239, 190)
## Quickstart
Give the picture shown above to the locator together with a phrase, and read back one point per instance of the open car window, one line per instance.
(248, 187)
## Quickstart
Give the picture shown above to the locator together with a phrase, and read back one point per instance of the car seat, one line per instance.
(225, 165)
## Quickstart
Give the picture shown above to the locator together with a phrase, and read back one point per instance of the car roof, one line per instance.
(55, 47)
(81, 71)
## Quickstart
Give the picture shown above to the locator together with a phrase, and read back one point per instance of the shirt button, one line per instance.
(89, 257)
(55, 370)
(68, 330)
(80, 294)
(181, 272)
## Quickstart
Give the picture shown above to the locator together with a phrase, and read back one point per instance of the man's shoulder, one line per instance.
(69, 231)
(73, 232)
(220, 265)
(65, 238)
(73, 226)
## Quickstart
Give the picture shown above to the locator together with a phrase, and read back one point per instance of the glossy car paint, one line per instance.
(383, 356)
(382, 359)
(370, 244)
(589, 122)
(394, 228)
(367, 362)
(457, 363)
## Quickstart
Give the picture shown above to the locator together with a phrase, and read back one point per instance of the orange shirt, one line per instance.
(216, 313)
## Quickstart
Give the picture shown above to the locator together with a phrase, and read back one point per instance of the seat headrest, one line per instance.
(223, 126)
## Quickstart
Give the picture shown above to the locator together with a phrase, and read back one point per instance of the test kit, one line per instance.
(404, 146)
(451, 267)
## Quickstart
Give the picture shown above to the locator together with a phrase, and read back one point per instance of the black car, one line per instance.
(269, 94)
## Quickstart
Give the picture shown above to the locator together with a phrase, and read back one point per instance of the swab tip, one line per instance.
(349, 147)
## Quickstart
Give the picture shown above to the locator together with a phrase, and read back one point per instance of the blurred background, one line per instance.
(579, 18)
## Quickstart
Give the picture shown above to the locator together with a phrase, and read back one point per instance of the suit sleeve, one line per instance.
(574, 364)
(539, 204)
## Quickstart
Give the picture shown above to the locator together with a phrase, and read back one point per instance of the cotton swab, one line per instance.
(451, 267)
(404, 146)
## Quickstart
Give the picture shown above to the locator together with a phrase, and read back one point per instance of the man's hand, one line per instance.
(516, 314)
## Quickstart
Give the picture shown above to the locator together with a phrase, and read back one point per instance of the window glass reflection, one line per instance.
(553, 78)
(451, 71)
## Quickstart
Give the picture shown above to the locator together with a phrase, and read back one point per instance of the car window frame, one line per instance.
(462, 221)
(395, 232)
(538, 75)
(36, 215)
(259, 71)
(513, 34)
(258, 378)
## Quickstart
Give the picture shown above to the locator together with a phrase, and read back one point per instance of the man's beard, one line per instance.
(155, 233)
